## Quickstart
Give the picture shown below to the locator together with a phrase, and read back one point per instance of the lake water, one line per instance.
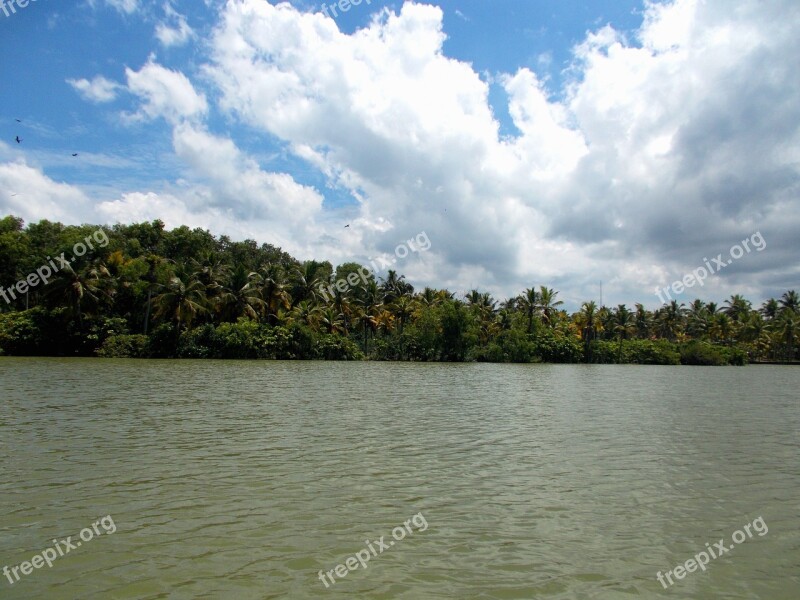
(245, 479)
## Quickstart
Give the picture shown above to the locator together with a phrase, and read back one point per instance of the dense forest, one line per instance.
(143, 291)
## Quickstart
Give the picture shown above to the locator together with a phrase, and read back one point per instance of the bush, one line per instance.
(335, 347)
(21, 332)
(648, 352)
(703, 353)
(295, 342)
(637, 352)
(124, 346)
(552, 349)
(243, 339)
(161, 342)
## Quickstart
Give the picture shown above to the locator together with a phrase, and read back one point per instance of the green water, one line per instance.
(245, 479)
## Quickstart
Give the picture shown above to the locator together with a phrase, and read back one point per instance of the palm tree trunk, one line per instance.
(147, 311)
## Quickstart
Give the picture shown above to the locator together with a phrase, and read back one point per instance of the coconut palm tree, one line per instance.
(307, 279)
(770, 309)
(738, 307)
(182, 301)
(368, 305)
(384, 321)
(153, 263)
(790, 301)
(587, 318)
(671, 319)
(528, 303)
(331, 320)
(605, 319)
(624, 325)
(341, 303)
(697, 319)
(212, 271)
(644, 321)
(239, 297)
(402, 309)
(305, 313)
(721, 328)
(81, 291)
(367, 317)
(271, 283)
(548, 304)
(788, 327)
(394, 286)
(428, 297)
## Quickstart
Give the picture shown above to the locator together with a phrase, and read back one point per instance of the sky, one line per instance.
(574, 144)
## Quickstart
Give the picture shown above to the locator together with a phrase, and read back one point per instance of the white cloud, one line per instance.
(668, 144)
(174, 30)
(240, 184)
(28, 193)
(124, 6)
(98, 90)
(634, 168)
(165, 93)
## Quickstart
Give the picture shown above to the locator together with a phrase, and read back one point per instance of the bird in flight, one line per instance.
(19, 141)
(18, 121)
(75, 154)
(346, 226)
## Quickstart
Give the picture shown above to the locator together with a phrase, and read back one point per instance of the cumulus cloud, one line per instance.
(240, 184)
(664, 147)
(174, 30)
(98, 90)
(124, 6)
(28, 193)
(165, 93)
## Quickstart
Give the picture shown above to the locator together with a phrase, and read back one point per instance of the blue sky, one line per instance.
(535, 142)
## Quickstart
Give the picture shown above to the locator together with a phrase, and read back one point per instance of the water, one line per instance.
(245, 479)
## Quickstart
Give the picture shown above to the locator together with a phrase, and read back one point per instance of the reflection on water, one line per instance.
(245, 479)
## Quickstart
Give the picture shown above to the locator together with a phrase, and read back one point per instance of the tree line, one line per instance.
(153, 292)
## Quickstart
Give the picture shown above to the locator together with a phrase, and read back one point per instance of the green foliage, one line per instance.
(702, 353)
(247, 339)
(639, 352)
(199, 342)
(554, 349)
(457, 340)
(185, 293)
(510, 346)
(21, 333)
(334, 347)
(124, 346)
(161, 341)
(421, 341)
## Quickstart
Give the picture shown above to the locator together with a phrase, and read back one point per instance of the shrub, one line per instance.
(161, 342)
(124, 346)
(552, 349)
(243, 339)
(639, 352)
(21, 332)
(335, 347)
(703, 353)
